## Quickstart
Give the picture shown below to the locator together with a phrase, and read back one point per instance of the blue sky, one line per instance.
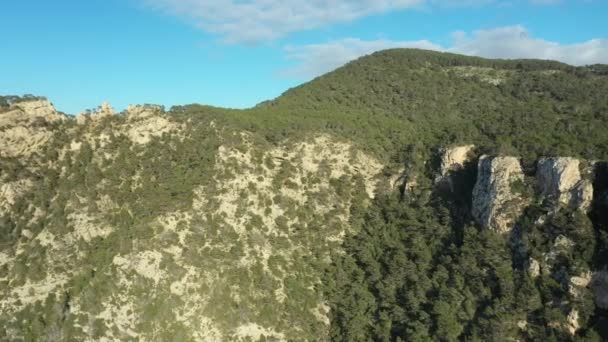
(236, 53)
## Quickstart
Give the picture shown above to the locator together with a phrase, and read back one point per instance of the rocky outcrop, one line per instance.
(105, 110)
(560, 178)
(24, 127)
(495, 205)
(454, 158)
(26, 111)
(138, 112)
(41, 108)
(146, 122)
(579, 283)
(11, 191)
(533, 267)
(573, 324)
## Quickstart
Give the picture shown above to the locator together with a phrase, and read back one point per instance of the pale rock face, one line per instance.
(578, 284)
(135, 112)
(22, 132)
(561, 178)
(561, 246)
(36, 108)
(495, 205)
(533, 268)
(454, 158)
(146, 122)
(599, 284)
(81, 118)
(104, 110)
(573, 324)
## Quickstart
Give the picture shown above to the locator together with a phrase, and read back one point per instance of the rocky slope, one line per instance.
(242, 248)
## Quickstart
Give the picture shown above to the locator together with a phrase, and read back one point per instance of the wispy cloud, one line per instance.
(506, 42)
(517, 42)
(252, 21)
(316, 59)
(255, 21)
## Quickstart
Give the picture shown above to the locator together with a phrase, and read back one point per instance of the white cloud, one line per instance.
(506, 42)
(516, 42)
(254, 21)
(317, 59)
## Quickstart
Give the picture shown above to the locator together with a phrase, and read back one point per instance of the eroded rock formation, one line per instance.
(146, 122)
(25, 128)
(560, 178)
(103, 111)
(495, 204)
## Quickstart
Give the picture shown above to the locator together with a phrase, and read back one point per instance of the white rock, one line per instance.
(495, 205)
(579, 283)
(36, 108)
(142, 131)
(106, 109)
(26, 233)
(522, 325)
(21, 129)
(533, 268)
(560, 178)
(138, 112)
(573, 324)
(454, 158)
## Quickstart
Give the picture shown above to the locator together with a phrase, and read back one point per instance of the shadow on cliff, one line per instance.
(599, 214)
(455, 191)
(599, 217)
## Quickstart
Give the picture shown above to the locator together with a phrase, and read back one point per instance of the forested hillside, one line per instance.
(409, 195)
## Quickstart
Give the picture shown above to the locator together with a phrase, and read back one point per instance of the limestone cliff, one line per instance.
(495, 204)
(560, 178)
